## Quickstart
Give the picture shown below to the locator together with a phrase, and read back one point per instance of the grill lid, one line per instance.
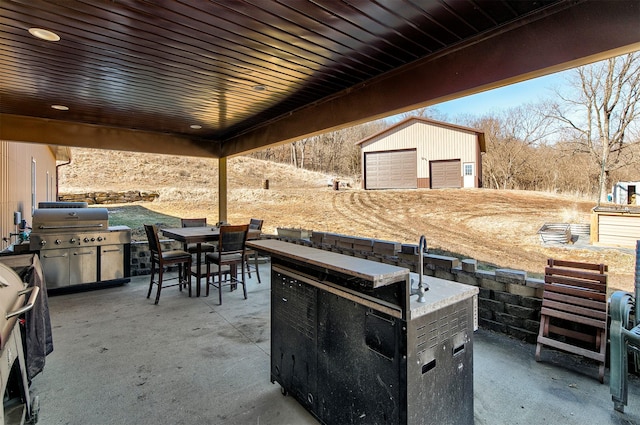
(11, 299)
(54, 220)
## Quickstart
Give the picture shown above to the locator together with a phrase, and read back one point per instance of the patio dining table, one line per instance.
(198, 236)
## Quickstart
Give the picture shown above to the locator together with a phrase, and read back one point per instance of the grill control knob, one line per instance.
(58, 241)
(99, 238)
(93, 239)
(86, 239)
(43, 242)
(72, 240)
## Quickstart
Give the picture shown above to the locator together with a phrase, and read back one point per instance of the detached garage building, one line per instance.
(422, 153)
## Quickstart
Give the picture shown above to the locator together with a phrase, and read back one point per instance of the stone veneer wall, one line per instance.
(508, 302)
(140, 264)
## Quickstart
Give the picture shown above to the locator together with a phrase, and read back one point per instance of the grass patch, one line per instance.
(136, 216)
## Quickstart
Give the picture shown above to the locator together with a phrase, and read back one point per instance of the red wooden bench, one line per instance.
(574, 310)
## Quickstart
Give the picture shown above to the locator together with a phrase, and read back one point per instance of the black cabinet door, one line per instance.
(343, 361)
(360, 364)
(294, 337)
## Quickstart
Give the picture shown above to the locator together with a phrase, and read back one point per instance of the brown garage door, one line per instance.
(391, 170)
(445, 174)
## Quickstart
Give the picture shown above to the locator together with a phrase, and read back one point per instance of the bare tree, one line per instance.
(294, 155)
(333, 152)
(512, 138)
(602, 112)
(426, 112)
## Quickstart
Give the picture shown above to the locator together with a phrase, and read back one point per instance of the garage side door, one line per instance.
(445, 174)
(391, 170)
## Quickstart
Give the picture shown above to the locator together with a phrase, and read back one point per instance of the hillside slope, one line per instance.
(498, 227)
(96, 170)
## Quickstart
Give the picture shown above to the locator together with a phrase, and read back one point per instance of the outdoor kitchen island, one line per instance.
(353, 347)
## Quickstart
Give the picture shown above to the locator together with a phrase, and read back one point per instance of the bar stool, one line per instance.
(161, 259)
(254, 224)
(230, 254)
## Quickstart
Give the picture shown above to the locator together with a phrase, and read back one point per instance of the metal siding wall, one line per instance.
(5, 218)
(399, 138)
(620, 230)
(432, 143)
(451, 144)
(15, 186)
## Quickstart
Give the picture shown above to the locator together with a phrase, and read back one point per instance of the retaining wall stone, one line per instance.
(109, 197)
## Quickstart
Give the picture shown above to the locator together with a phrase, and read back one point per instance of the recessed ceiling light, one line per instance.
(60, 107)
(195, 126)
(43, 34)
(260, 87)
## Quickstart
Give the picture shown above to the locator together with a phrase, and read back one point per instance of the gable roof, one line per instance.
(478, 133)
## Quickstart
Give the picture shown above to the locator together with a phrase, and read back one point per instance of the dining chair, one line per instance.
(192, 247)
(225, 261)
(254, 224)
(160, 259)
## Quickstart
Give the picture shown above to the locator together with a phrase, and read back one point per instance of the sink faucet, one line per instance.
(422, 286)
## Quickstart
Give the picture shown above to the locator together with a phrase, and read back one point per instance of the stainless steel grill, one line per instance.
(77, 246)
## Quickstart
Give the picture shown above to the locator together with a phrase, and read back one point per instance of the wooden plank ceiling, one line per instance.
(139, 75)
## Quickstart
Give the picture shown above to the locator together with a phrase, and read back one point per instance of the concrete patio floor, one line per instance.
(120, 359)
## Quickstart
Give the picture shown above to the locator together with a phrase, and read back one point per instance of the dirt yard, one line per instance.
(495, 227)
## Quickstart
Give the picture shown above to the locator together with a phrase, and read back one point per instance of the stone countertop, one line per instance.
(379, 274)
(441, 293)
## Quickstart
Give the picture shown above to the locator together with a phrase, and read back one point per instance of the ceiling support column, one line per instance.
(222, 189)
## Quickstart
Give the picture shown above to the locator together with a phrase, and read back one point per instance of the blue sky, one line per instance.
(504, 97)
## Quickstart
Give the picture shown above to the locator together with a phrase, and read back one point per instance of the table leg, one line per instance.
(198, 262)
